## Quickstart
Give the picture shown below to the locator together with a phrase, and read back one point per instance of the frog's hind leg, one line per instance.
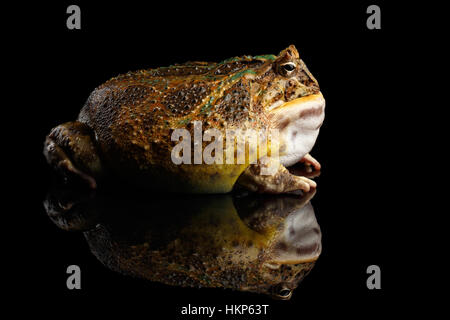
(70, 148)
(280, 181)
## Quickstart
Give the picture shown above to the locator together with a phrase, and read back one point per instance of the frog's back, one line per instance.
(134, 114)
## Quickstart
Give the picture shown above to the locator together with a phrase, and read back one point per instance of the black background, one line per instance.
(358, 205)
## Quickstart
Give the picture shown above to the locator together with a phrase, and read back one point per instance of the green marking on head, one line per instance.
(233, 59)
(270, 57)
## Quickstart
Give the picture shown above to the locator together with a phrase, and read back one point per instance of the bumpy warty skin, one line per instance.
(132, 117)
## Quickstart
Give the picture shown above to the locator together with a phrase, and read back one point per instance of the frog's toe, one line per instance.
(67, 166)
(310, 163)
(303, 183)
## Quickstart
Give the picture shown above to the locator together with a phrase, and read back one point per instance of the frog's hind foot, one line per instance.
(280, 181)
(71, 150)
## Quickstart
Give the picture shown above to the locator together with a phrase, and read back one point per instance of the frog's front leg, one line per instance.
(280, 181)
(70, 149)
(310, 163)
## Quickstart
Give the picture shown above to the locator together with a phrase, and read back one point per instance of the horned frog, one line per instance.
(125, 127)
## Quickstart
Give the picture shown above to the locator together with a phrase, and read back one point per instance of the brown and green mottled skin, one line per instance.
(133, 115)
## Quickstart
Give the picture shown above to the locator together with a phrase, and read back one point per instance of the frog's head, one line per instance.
(291, 97)
(292, 76)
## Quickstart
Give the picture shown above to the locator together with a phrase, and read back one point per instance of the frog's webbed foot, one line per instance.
(280, 181)
(70, 149)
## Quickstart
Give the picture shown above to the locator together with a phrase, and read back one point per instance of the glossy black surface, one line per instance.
(257, 243)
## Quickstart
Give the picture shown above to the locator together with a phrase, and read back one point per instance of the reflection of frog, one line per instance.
(264, 245)
(125, 127)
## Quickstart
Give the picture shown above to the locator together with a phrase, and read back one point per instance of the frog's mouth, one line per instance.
(298, 122)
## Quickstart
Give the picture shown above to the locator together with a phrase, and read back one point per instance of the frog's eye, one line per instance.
(288, 67)
(281, 292)
(285, 293)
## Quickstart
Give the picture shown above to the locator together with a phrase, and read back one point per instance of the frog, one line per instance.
(126, 127)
